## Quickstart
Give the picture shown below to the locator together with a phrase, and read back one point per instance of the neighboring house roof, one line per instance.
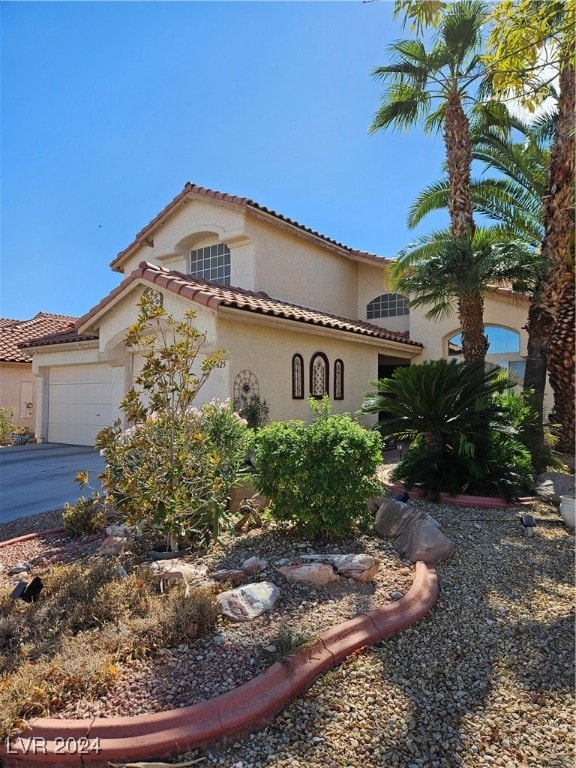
(192, 191)
(14, 333)
(212, 294)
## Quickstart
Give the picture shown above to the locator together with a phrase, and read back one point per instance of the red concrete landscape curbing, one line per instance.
(29, 536)
(463, 500)
(62, 743)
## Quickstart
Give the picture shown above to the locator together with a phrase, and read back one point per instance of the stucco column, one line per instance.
(41, 386)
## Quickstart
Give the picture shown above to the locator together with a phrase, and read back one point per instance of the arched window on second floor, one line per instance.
(319, 375)
(211, 263)
(387, 305)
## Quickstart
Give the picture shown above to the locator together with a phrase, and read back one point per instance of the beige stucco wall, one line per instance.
(301, 271)
(267, 350)
(17, 391)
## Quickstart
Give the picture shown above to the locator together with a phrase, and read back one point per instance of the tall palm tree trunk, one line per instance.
(561, 366)
(547, 341)
(459, 161)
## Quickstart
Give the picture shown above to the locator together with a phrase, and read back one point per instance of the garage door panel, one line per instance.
(80, 403)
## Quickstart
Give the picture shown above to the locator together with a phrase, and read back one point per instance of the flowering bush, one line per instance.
(171, 471)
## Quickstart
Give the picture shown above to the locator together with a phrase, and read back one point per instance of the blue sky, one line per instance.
(108, 108)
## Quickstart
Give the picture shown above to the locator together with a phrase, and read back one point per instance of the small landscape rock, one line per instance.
(358, 567)
(254, 565)
(178, 569)
(19, 568)
(315, 573)
(249, 601)
(228, 574)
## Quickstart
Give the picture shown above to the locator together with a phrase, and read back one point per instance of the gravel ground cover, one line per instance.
(486, 680)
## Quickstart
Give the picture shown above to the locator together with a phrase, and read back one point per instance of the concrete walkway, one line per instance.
(39, 477)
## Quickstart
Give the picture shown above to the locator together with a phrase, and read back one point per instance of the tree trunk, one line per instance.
(559, 241)
(550, 339)
(459, 161)
(474, 341)
(561, 367)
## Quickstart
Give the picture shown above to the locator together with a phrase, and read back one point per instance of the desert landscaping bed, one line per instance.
(486, 680)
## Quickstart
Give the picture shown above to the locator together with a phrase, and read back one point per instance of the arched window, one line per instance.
(211, 263)
(319, 378)
(500, 340)
(297, 377)
(338, 380)
(387, 305)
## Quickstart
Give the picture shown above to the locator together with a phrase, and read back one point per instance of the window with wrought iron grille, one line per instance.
(387, 305)
(211, 263)
(319, 375)
(338, 380)
(297, 377)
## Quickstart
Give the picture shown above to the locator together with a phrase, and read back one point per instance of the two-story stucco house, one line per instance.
(297, 313)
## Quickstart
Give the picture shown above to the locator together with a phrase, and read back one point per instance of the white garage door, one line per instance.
(80, 403)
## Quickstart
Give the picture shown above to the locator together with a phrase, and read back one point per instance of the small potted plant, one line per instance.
(20, 435)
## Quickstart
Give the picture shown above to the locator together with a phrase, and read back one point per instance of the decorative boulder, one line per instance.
(359, 567)
(318, 574)
(249, 601)
(424, 541)
(394, 517)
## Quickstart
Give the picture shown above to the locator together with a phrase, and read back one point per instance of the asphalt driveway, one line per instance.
(39, 477)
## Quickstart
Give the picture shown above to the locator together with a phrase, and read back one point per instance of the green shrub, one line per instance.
(84, 517)
(318, 476)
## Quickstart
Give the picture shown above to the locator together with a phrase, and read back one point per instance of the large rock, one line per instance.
(424, 541)
(359, 567)
(249, 601)
(318, 574)
(394, 517)
(553, 485)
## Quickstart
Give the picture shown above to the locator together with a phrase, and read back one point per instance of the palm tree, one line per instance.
(514, 198)
(436, 86)
(438, 267)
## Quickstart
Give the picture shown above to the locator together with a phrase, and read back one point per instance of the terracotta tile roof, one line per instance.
(15, 333)
(192, 191)
(213, 295)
